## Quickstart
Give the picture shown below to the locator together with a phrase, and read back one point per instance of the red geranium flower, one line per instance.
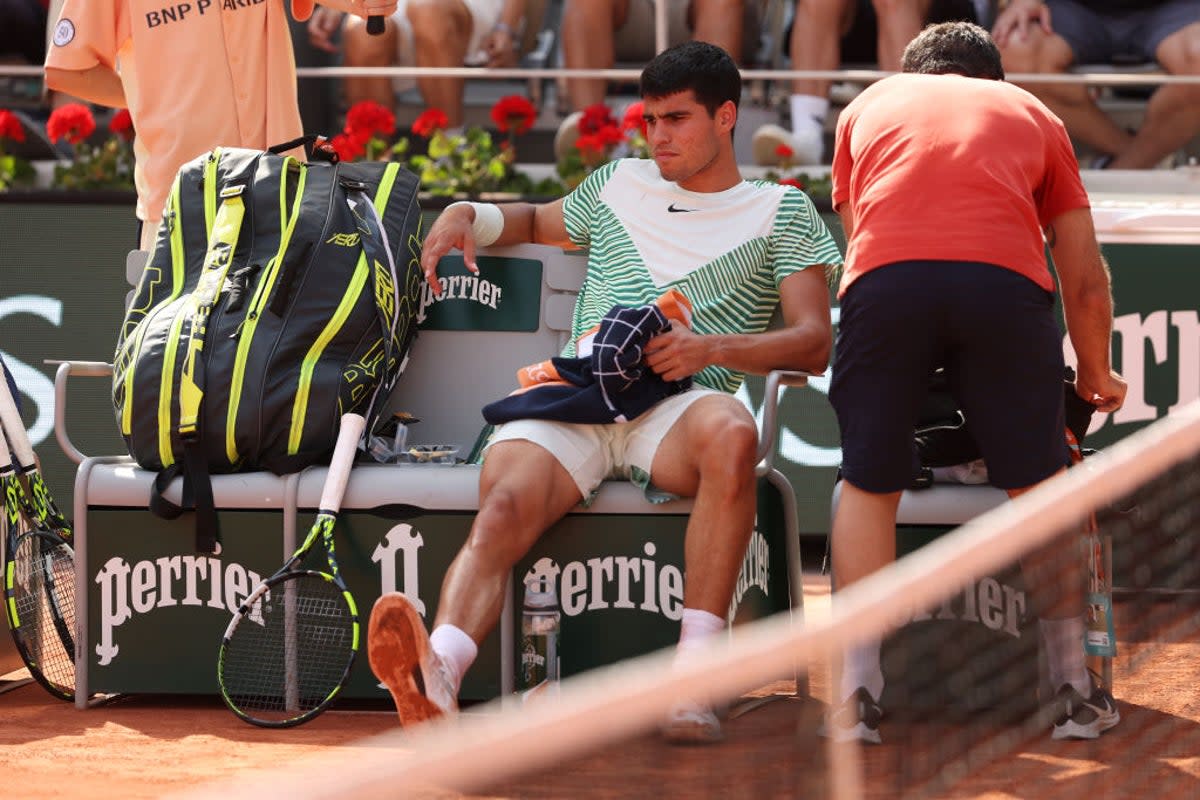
(431, 120)
(634, 119)
(596, 117)
(590, 143)
(791, 182)
(368, 117)
(514, 113)
(610, 135)
(10, 126)
(348, 146)
(783, 151)
(122, 124)
(73, 122)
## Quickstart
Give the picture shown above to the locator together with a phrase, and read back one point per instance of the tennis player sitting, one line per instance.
(736, 249)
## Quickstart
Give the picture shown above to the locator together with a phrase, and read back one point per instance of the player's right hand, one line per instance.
(1106, 392)
(451, 230)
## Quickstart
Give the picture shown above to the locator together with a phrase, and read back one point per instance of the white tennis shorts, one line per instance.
(592, 453)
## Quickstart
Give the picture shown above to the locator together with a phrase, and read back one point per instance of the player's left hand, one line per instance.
(678, 352)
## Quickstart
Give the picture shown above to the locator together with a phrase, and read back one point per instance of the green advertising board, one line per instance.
(490, 301)
(156, 609)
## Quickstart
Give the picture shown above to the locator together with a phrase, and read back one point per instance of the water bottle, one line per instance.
(540, 623)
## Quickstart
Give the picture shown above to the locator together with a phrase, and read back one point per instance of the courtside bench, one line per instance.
(151, 610)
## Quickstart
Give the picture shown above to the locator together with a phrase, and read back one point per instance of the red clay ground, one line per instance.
(144, 747)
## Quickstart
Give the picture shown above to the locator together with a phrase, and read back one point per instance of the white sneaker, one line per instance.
(692, 723)
(400, 656)
(1084, 718)
(566, 135)
(807, 145)
(855, 720)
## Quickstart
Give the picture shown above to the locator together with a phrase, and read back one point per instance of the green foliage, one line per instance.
(14, 171)
(105, 166)
(468, 163)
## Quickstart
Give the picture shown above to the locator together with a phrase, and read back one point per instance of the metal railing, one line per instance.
(1100, 78)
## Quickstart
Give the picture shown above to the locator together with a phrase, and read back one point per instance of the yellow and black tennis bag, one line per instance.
(280, 294)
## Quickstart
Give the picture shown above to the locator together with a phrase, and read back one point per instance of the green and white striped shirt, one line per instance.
(726, 251)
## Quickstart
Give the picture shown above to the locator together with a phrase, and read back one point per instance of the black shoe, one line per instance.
(856, 719)
(1084, 719)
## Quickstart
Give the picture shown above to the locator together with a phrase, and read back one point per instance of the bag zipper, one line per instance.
(361, 273)
(246, 330)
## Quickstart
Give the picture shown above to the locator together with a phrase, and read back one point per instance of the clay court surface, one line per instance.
(142, 747)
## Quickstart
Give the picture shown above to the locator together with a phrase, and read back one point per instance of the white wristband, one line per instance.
(488, 224)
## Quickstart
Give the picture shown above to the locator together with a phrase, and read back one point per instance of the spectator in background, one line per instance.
(205, 74)
(827, 33)
(22, 42)
(23, 31)
(598, 33)
(424, 33)
(1051, 36)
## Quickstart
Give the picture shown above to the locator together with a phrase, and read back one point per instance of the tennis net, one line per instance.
(966, 710)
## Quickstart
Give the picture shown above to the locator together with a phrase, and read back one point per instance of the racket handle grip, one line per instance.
(349, 432)
(375, 25)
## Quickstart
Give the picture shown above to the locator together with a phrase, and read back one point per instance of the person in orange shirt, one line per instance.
(194, 74)
(951, 184)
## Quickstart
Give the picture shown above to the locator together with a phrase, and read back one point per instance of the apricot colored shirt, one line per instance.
(948, 168)
(197, 74)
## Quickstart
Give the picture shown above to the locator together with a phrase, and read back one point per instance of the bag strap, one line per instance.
(382, 263)
(196, 495)
(222, 242)
(316, 148)
(197, 484)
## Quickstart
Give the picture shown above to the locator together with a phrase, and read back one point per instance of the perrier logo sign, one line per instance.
(505, 296)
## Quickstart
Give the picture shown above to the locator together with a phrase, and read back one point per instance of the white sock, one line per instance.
(808, 111)
(457, 650)
(695, 628)
(1063, 640)
(861, 667)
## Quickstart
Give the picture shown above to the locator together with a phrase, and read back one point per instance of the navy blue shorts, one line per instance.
(995, 333)
(1100, 38)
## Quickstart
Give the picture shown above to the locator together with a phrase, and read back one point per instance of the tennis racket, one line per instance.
(39, 586)
(289, 648)
(45, 509)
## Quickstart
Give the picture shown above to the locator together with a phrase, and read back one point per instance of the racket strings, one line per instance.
(291, 650)
(44, 597)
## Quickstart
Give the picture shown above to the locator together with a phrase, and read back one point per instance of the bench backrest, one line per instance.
(474, 338)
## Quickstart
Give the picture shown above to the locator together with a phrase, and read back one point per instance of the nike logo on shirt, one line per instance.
(675, 210)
